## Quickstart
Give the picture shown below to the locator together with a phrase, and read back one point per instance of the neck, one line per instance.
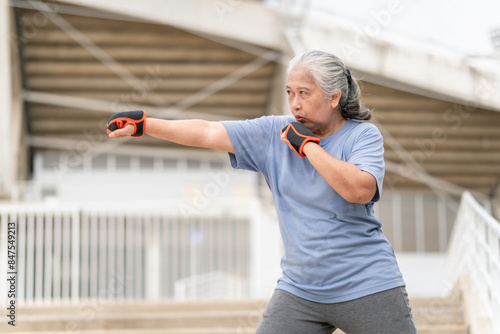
(334, 126)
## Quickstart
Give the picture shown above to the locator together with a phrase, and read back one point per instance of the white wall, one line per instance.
(423, 273)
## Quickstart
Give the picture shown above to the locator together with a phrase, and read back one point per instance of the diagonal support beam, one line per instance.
(105, 106)
(412, 170)
(432, 182)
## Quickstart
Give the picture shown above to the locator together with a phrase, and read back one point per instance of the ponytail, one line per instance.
(351, 106)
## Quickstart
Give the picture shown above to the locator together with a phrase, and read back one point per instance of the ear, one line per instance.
(334, 102)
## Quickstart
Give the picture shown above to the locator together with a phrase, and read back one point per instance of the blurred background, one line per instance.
(118, 222)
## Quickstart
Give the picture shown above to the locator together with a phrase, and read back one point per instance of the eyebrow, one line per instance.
(299, 88)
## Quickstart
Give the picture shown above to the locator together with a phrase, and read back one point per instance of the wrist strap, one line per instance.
(298, 135)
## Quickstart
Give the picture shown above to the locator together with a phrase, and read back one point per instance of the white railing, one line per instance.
(79, 254)
(475, 252)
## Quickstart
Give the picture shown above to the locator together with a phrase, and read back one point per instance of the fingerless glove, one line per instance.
(298, 135)
(124, 118)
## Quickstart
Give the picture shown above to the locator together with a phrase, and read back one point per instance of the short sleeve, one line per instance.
(368, 155)
(251, 140)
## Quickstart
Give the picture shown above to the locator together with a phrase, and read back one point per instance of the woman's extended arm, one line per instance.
(194, 132)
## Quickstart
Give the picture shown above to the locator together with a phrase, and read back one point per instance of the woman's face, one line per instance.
(309, 105)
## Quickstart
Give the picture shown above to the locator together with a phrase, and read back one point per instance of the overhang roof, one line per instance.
(438, 116)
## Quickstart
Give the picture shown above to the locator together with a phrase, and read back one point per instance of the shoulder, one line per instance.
(360, 126)
(261, 128)
(278, 121)
(362, 134)
(363, 129)
(273, 120)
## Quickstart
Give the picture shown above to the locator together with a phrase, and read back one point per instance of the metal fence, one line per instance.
(71, 253)
(77, 254)
(475, 251)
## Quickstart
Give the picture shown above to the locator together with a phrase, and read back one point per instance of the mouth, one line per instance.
(300, 119)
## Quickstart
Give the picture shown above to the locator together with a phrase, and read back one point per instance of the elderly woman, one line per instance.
(325, 169)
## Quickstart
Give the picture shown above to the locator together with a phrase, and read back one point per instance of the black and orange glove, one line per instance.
(124, 118)
(298, 135)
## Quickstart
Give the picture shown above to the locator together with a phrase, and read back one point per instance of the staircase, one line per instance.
(439, 315)
(432, 316)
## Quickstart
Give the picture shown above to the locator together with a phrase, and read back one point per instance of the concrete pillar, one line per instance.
(13, 135)
(5, 102)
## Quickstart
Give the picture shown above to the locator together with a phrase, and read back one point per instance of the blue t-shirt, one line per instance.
(335, 250)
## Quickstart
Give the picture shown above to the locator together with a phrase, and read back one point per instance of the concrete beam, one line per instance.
(237, 20)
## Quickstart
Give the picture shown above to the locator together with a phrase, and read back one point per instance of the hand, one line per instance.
(296, 135)
(132, 123)
(285, 140)
(125, 132)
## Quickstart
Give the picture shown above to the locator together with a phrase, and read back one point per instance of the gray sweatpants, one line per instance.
(386, 312)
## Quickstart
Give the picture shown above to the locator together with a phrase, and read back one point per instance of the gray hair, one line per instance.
(330, 75)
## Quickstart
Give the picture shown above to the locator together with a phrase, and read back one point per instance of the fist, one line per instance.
(127, 123)
(297, 135)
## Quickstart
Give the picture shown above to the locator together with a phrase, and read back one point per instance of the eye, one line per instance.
(288, 92)
(303, 92)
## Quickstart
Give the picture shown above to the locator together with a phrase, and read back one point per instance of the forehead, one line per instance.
(298, 77)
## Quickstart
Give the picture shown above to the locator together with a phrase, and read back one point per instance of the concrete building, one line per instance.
(169, 222)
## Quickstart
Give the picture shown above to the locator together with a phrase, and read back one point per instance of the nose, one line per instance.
(295, 105)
